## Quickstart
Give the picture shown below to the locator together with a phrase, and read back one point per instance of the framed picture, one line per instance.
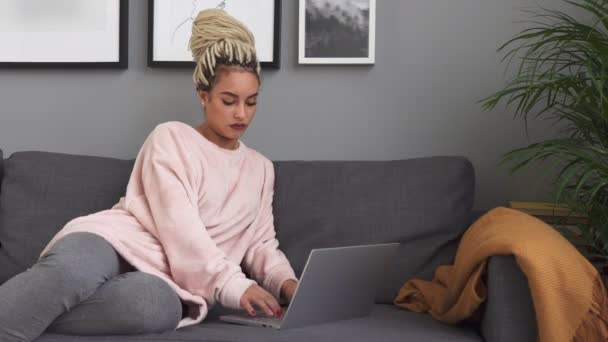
(337, 32)
(170, 28)
(64, 34)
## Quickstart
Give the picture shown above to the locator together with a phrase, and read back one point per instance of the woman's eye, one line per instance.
(230, 103)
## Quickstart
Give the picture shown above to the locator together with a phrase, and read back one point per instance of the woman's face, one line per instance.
(232, 101)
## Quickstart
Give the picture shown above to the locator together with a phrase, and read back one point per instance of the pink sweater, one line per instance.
(192, 213)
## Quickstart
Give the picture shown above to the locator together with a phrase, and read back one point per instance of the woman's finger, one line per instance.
(271, 302)
(247, 306)
(273, 305)
(261, 303)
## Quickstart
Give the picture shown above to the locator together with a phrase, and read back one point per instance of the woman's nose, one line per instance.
(240, 112)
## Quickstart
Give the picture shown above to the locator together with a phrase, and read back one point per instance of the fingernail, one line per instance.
(252, 313)
(279, 312)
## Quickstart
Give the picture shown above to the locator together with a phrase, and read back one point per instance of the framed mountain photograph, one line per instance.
(337, 31)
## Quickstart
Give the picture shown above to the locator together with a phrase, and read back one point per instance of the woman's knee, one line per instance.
(149, 303)
(130, 303)
(81, 259)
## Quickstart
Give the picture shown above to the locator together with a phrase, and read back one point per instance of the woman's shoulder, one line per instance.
(170, 140)
(171, 132)
(171, 126)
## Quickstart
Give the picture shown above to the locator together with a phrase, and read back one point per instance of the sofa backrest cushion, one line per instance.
(423, 203)
(42, 191)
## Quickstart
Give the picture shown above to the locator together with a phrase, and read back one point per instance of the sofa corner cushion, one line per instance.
(42, 191)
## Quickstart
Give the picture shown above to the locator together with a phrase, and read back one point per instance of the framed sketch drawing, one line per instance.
(63, 34)
(337, 31)
(170, 27)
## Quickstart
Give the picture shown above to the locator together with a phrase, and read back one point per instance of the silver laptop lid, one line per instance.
(338, 283)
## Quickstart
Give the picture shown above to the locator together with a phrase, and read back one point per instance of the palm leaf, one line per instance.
(562, 77)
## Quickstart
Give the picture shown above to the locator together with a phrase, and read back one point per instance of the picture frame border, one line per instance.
(276, 44)
(123, 51)
(302, 59)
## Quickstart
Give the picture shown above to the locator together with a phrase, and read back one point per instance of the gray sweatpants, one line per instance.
(82, 286)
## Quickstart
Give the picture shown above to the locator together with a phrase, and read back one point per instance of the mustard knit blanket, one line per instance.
(568, 294)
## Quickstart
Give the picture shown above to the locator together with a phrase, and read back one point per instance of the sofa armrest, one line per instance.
(509, 311)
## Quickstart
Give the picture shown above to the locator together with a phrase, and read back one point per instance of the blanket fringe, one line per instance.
(594, 327)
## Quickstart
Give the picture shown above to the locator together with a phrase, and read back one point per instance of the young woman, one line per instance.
(198, 205)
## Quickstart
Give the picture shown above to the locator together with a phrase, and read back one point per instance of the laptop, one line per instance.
(336, 284)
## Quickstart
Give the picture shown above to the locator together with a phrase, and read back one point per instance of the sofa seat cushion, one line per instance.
(386, 323)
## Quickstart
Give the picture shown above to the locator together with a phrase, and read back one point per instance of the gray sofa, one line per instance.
(424, 203)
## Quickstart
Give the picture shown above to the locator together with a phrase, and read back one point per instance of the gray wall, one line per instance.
(434, 60)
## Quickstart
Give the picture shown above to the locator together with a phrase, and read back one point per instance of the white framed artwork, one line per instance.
(170, 28)
(337, 31)
(63, 33)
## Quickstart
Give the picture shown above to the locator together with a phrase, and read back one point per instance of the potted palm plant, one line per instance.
(562, 76)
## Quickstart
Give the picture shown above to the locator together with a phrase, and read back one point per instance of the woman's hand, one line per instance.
(288, 289)
(255, 295)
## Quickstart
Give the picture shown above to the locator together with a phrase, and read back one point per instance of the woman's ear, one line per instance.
(203, 96)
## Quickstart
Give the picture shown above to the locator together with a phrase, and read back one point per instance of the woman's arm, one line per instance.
(263, 259)
(168, 182)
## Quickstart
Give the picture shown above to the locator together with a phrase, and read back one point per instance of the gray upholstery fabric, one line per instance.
(1, 168)
(1, 177)
(424, 203)
(509, 311)
(386, 323)
(43, 191)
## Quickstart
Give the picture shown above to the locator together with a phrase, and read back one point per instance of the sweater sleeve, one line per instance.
(263, 260)
(168, 184)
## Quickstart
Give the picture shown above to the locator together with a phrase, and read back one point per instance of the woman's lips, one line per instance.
(238, 127)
